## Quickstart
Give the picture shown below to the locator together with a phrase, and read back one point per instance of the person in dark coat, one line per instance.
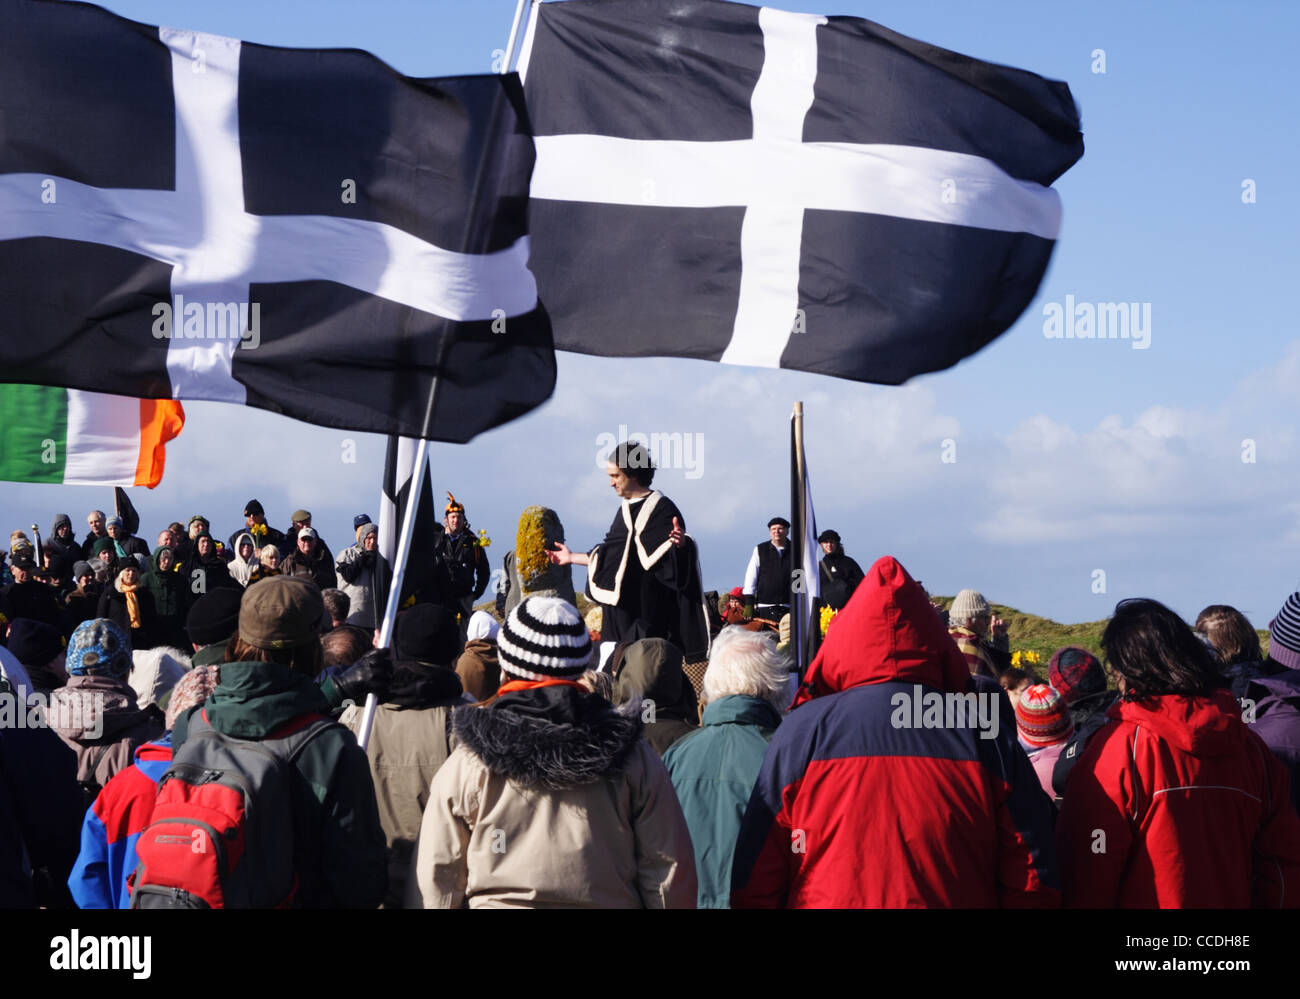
(62, 541)
(171, 597)
(81, 603)
(124, 542)
(28, 597)
(646, 573)
(205, 570)
(95, 521)
(840, 574)
(129, 604)
(311, 560)
(41, 805)
(652, 671)
(39, 648)
(255, 524)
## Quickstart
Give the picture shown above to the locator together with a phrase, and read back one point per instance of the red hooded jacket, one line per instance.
(862, 802)
(1177, 804)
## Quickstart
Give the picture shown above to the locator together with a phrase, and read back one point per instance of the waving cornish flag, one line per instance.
(747, 185)
(193, 217)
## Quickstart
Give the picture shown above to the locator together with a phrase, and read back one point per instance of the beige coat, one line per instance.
(407, 747)
(615, 843)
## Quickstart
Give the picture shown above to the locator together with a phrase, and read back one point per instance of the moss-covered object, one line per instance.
(539, 530)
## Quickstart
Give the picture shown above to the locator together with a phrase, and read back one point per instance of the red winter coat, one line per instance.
(1177, 804)
(854, 809)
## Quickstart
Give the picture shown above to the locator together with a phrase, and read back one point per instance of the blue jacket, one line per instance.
(113, 825)
(713, 772)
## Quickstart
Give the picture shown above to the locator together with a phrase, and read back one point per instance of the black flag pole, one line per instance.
(805, 581)
(419, 470)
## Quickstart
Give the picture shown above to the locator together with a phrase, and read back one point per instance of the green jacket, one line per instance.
(713, 772)
(342, 851)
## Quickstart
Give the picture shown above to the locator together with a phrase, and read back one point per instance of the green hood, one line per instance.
(253, 699)
(652, 669)
(153, 562)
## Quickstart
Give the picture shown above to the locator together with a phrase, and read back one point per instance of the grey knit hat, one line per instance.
(968, 605)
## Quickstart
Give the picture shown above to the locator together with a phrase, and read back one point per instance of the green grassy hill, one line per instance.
(1031, 633)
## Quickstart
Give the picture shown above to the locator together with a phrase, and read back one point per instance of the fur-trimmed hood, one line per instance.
(550, 738)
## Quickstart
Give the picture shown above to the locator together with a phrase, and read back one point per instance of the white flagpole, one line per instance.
(417, 484)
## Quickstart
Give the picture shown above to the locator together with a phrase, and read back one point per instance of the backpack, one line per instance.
(222, 832)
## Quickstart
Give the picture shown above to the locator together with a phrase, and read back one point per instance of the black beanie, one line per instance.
(214, 616)
(428, 633)
(34, 643)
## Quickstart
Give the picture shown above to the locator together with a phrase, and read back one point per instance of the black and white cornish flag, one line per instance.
(746, 185)
(188, 216)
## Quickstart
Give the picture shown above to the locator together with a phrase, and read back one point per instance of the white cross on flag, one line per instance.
(746, 185)
(189, 216)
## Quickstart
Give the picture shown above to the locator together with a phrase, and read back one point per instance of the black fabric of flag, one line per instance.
(424, 579)
(306, 231)
(745, 185)
(126, 510)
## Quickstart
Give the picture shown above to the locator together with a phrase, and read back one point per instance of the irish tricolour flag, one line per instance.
(70, 437)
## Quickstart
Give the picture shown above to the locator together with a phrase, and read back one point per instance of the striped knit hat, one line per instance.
(1284, 634)
(1042, 717)
(544, 638)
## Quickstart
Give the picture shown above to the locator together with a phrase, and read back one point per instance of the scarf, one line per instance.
(132, 601)
(514, 686)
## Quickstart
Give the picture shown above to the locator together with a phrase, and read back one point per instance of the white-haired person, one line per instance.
(746, 688)
(551, 799)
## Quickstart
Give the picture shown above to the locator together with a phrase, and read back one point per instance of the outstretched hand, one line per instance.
(676, 534)
(560, 554)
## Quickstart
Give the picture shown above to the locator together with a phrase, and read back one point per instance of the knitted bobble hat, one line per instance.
(1042, 717)
(544, 638)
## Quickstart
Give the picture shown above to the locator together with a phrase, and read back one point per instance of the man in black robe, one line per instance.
(646, 573)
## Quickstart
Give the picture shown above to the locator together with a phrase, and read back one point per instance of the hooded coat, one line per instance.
(1193, 807)
(552, 799)
(240, 569)
(409, 741)
(68, 550)
(98, 717)
(171, 600)
(952, 817)
(112, 827)
(652, 670)
(342, 861)
(212, 570)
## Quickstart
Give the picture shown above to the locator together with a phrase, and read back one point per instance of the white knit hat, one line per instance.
(544, 638)
(967, 605)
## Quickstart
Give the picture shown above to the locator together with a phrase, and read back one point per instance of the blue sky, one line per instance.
(1071, 456)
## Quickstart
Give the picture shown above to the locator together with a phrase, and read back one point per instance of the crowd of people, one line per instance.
(185, 729)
